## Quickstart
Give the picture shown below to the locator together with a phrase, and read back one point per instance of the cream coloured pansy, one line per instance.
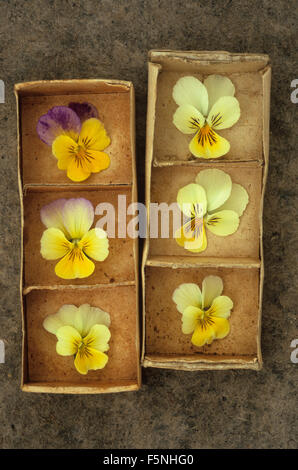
(204, 109)
(204, 313)
(82, 332)
(68, 236)
(212, 202)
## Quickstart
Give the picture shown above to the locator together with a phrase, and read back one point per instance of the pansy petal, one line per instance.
(223, 223)
(98, 338)
(190, 318)
(89, 316)
(203, 335)
(58, 120)
(93, 135)
(208, 144)
(188, 119)
(191, 199)
(68, 341)
(217, 185)
(65, 316)
(221, 307)
(212, 287)
(189, 90)
(98, 161)
(84, 110)
(224, 113)
(93, 361)
(218, 86)
(78, 216)
(95, 244)
(78, 170)
(52, 216)
(186, 295)
(237, 201)
(64, 149)
(54, 244)
(221, 327)
(196, 242)
(74, 265)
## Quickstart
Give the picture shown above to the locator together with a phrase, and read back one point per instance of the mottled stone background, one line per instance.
(76, 39)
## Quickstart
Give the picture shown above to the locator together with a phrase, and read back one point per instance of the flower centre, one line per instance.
(206, 135)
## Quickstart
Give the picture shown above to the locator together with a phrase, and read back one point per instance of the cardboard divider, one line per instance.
(114, 284)
(238, 258)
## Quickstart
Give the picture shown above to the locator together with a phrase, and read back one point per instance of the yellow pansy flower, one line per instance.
(212, 202)
(204, 313)
(77, 138)
(82, 332)
(204, 109)
(68, 236)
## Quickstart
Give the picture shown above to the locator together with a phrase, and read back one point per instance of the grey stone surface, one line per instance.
(77, 39)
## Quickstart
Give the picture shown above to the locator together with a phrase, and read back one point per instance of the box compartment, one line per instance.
(114, 283)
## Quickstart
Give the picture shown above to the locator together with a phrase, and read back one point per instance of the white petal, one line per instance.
(237, 201)
(189, 90)
(64, 316)
(89, 316)
(191, 197)
(224, 113)
(218, 186)
(218, 86)
(52, 216)
(78, 216)
(187, 295)
(212, 287)
(188, 119)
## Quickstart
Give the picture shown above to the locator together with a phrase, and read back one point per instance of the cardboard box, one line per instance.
(237, 259)
(114, 283)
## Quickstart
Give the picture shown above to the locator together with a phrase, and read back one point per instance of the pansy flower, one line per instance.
(68, 236)
(77, 138)
(204, 313)
(82, 332)
(212, 202)
(204, 109)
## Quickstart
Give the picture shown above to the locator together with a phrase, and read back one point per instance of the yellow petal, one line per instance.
(189, 90)
(74, 265)
(93, 360)
(186, 295)
(218, 86)
(188, 119)
(224, 113)
(203, 334)
(98, 160)
(89, 316)
(212, 287)
(95, 244)
(221, 307)
(237, 201)
(78, 216)
(64, 149)
(78, 170)
(54, 244)
(192, 200)
(98, 338)
(217, 185)
(223, 223)
(190, 318)
(93, 135)
(221, 327)
(191, 241)
(68, 341)
(208, 144)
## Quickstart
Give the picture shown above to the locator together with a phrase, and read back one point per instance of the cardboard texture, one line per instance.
(238, 258)
(114, 283)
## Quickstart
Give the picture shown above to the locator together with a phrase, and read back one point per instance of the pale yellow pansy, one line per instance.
(203, 109)
(204, 313)
(212, 202)
(68, 236)
(82, 332)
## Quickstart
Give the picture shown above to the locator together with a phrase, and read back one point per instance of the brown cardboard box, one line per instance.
(237, 259)
(114, 283)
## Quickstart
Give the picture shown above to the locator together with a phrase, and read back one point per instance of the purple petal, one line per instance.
(84, 110)
(52, 214)
(57, 121)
